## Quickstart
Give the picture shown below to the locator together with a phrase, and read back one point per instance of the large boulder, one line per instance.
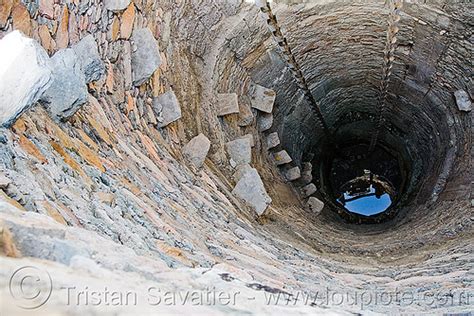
(250, 188)
(166, 108)
(196, 150)
(68, 90)
(89, 58)
(240, 151)
(146, 58)
(25, 73)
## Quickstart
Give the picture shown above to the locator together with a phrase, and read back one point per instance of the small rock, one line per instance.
(273, 140)
(250, 188)
(91, 63)
(196, 150)
(106, 198)
(228, 103)
(263, 99)
(116, 5)
(308, 190)
(240, 151)
(146, 59)
(264, 121)
(167, 107)
(293, 174)
(314, 205)
(282, 157)
(127, 65)
(69, 90)
(25, 75)
(462, 100)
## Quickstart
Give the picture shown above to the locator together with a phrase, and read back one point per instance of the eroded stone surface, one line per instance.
(263, 99)
(227, 103)
(25, 73)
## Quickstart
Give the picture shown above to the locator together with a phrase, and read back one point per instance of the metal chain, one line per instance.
(389, 57)
(292, 64)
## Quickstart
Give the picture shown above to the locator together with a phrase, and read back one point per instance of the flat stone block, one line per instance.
(293, 174)
(282, 157)
(263, 99)
(68, 91)
(314, 205)
(273, 140)
(264, 121)
(308, 190)
(240, 151)
(227, 103)
(167, 108)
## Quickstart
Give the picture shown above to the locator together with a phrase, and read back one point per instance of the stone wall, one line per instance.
(96, 190)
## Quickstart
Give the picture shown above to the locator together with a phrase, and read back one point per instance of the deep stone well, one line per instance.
(101, 185)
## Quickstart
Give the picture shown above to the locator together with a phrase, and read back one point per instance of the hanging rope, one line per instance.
(389, 57)
(293, 65)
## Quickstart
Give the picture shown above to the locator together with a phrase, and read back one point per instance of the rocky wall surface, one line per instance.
(122, 170)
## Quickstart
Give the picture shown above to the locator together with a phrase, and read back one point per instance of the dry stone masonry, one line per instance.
(196, 145)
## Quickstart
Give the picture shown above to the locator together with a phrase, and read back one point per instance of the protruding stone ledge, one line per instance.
(228, 103)
(146, 59)
(240, 151)
(314, 205)
(250, 188)
(166, 108)
(282, 157)
(196, 150)
(308, 190)
(292, 174)
(265, 121)
(88, 55)
(273, 140)
(25, 73)
(263, 99)
(68, 90)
